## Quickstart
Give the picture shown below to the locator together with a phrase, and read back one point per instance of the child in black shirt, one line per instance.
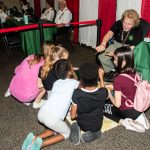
(87, 105)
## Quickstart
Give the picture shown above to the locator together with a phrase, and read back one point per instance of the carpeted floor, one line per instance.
(17, 119)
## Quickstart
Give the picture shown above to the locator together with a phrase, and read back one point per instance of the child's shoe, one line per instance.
(75, 134)
(142, 119)
(36, 145)
(7, 93)
(27, 142)
(132, 125)
(27, 104)
(40, 104)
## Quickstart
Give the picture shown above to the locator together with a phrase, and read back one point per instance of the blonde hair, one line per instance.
(55, 53)
(62, 1)
(132, 14)
(46, 51)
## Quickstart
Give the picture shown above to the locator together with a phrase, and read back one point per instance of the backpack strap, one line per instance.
(138, 77)
(126, 75)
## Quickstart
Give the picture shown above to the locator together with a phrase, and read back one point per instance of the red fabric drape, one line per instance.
(37, 8)
(73, 6)
(145, 11)
(107, 13)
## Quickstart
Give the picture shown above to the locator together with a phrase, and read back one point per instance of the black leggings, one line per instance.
(115, 114)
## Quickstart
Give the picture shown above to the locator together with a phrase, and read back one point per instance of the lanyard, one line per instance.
(124, 40)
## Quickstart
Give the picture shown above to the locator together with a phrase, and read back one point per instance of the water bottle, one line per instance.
(26, 19)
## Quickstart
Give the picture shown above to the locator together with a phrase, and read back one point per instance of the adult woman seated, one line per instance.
(49, 13)
(126, 31)
(3, 14)
(25, 8)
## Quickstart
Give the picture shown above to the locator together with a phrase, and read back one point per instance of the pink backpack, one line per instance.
(142, 95)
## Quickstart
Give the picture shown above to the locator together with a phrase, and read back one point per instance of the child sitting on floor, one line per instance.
(23, 85)
(87, 106)
(47, 75)
(53, 112)
(120, 110)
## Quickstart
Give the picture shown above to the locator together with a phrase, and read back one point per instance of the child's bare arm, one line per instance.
(39, 83)
(73, 112)
(101, 77)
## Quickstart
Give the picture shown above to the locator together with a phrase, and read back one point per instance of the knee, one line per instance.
(66, 134)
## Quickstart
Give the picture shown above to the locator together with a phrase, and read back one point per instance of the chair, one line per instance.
(11, 40)
(145, 26)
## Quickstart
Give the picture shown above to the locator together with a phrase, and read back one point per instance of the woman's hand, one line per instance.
(101, 47)
(110, 54)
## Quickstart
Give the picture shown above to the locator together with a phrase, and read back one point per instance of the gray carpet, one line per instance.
(17, 119)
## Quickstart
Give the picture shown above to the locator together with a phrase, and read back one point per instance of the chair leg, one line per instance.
(8, 50)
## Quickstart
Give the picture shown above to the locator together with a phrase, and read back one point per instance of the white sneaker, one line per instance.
(142, 119)
(7, 93)
(132, 125)
(27, 104)
(40, 104)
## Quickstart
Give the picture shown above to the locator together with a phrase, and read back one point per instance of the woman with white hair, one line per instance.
(63, 19)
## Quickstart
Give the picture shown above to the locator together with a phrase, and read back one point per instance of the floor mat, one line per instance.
(107, 123)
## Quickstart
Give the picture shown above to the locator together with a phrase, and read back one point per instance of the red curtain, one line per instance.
(107, 13)
(145, 11)
(73, 6)
(37, 8)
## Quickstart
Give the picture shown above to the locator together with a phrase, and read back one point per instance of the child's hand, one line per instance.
(109, 86)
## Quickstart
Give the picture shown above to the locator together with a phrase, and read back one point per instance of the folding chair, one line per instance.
(11, 40)
(146, 27)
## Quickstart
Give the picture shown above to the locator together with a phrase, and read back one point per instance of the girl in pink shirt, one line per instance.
(24, 85)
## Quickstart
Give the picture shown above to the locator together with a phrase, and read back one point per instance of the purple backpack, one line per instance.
(142, 95)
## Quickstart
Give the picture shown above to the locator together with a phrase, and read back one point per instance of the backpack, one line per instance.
(142, 94)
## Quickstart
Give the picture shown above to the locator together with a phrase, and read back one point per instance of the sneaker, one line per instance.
(7, 93)
(142, 119)
(89, 136)
(40, 104)
(75, 134)
(132, 125)
(27, 141)
(27, 104)
(36, 145)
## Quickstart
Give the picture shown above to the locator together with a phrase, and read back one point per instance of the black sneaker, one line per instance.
(75, 134)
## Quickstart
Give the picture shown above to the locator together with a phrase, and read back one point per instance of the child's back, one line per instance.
(24, 84)
(60, 98)
(90, 108)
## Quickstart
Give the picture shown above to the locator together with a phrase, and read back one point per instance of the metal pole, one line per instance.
(41, 33)
(99, 24)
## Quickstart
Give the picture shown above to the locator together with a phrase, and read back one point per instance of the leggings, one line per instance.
(115, 114)
(53, 123)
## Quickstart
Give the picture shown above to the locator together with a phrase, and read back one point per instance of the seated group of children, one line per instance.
(53, 73)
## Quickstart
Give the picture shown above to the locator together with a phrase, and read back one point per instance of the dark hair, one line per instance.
(50, 2)
(88, 73)
(61, 68)
(24, 2)
(125, 53)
